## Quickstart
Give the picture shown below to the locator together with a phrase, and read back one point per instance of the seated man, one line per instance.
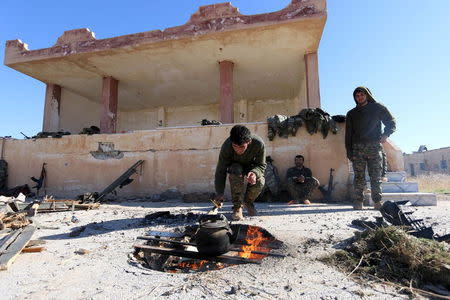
(300, 182)
(243, 157)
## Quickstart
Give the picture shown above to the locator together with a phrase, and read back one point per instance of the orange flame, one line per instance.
(202, 265)
(254, 240)
(192, 265)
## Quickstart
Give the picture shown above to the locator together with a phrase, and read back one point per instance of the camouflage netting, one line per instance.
(392, 254)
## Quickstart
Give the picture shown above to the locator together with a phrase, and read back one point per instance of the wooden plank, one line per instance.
(9, 239)
(11, 251)
(44, 206)
(33, 249)
(74, 204)
(196, 255)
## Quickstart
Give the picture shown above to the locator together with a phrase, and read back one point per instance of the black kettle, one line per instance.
(213, 236)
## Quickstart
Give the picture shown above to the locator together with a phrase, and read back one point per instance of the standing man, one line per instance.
(300, 182)
(243, 157)
(363, 139)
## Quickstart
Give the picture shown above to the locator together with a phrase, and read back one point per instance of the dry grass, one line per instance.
(433, 183)
(392, 254)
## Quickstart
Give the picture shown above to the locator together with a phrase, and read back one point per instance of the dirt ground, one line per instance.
(106, 271)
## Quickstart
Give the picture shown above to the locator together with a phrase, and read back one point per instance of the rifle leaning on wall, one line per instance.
(40, 182)
(327, 192)
(120, 182)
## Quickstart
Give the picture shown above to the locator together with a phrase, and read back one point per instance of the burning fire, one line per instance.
(201, 265)
(192, 265)
(255, 241)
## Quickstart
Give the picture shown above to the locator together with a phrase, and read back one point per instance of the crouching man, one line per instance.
(243, 157)
(300, 182)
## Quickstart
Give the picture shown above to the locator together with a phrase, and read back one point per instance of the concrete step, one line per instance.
(416, 199)
(400, 187)
(391, 176)
(399, 176)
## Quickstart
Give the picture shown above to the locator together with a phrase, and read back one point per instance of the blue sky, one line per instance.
(399, 49)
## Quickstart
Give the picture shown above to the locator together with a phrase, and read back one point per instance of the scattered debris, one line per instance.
(17, 190)
(14, 220)
(166, 218)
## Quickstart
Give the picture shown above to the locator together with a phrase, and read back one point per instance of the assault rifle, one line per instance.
(327, 192)
(41, 180)
(120, 182)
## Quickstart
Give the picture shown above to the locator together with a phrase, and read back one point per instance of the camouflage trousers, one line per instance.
(241, 191)
(370, 155)
(302, 191)
(385, 167)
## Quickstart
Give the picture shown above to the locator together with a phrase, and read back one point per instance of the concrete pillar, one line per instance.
(108, 118)
(312, 80)
(161, 116)
(226, 113)
(51, 108)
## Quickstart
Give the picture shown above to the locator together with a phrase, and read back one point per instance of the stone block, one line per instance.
(400, 187)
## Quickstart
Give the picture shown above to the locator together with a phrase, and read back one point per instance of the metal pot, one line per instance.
(213, 236)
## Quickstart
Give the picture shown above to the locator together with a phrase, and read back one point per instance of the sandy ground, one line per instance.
(106, 271)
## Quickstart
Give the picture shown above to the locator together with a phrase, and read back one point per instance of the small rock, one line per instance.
(232, 291)
(287, 288)
(74, 219)
(82, 251)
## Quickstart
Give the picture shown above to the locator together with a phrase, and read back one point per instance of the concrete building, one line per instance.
(220, 65)
(427, 161)
(155, 87)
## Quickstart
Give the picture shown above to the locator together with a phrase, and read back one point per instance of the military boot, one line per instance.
(237, 214)
(251, 210)
(358, 205)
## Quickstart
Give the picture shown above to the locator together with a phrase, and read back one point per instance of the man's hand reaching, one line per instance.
(251, 178)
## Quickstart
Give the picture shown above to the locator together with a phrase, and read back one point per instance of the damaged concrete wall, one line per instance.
(182, 158)
(77, 112)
